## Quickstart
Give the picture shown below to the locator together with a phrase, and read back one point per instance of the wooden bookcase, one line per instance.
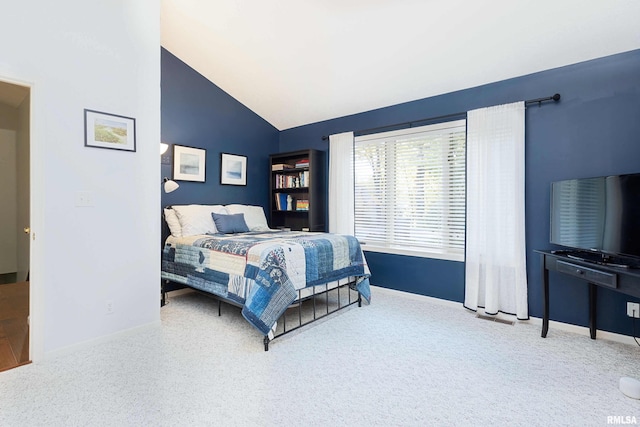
(304, 184)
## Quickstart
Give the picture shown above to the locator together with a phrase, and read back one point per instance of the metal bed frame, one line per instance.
(341, 302)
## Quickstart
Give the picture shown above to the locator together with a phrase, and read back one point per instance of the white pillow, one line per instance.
(196, 219)
(253, 216)
(173, 222)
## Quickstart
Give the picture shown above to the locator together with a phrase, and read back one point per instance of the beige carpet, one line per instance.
(402, 361)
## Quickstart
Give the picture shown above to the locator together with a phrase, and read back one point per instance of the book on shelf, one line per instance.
(280, 167)
(298, 180)
(302, 205)
(281, 201)
(303, 163)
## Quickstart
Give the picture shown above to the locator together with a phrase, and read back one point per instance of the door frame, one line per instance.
(36, 223)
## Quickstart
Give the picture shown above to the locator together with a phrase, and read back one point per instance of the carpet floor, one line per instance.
(404, 360)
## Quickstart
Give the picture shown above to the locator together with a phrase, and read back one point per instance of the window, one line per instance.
(410, 190)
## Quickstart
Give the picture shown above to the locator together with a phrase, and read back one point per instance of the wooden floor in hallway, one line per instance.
(14, 327)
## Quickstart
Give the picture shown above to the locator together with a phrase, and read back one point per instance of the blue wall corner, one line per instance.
(197, 113)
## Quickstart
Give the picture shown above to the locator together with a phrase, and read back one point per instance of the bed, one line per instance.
(230, 253)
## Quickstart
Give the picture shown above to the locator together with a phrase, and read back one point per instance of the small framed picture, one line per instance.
(104, 130)
(189, 163)
(233, 169)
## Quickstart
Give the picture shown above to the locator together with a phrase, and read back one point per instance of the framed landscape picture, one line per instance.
(189, 163)
(104, 130)
(233, 169)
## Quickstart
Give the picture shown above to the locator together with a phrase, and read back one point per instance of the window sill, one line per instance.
(416, 253)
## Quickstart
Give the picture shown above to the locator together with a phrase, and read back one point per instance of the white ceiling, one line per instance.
(295, 62)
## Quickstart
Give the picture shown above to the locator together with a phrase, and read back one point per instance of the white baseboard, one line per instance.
(580, 330)
(95, 341)
(420, 297)
(583, 330)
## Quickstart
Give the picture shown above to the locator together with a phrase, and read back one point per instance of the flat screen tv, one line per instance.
(599, 218)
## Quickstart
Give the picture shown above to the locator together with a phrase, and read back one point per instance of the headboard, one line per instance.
(165, 232)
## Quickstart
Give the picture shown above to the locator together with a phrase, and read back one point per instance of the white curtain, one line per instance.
(341, 198)
(495, 267)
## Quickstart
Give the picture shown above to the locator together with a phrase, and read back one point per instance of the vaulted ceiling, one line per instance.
(295, 62)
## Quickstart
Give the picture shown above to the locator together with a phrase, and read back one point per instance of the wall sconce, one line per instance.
(163, 148)
(170, 185)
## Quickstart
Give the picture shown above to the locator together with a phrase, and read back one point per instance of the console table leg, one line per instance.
(545, 299)
(593, 293)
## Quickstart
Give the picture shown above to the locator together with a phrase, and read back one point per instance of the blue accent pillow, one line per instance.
(230, 223)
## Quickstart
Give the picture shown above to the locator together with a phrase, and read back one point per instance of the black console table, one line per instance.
(624, 280)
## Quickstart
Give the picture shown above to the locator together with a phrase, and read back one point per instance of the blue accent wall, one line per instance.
(445, 279)
(594, 130)
(197, 113)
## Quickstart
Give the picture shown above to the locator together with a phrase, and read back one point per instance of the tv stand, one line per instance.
(624, 280)
(598, 259)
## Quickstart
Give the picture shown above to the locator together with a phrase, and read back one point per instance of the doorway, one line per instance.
(15, 106)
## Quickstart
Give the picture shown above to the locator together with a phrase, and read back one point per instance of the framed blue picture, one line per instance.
(189, 163)
(233, 169)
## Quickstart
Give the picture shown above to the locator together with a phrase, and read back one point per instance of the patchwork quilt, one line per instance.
(262, 271)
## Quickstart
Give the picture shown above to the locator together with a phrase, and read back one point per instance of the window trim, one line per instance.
(446, 256)
(432, 253)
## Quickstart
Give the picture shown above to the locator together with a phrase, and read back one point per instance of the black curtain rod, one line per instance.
(539, 101)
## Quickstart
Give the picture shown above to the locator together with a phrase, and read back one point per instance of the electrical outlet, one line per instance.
(109, 306)
(633, 309)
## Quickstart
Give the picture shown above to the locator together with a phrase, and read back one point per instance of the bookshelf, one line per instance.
(298, 190)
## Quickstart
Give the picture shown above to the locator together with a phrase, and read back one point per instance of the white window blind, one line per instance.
(410, 190)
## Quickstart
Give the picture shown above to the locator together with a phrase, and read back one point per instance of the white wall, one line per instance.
(102, 55)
